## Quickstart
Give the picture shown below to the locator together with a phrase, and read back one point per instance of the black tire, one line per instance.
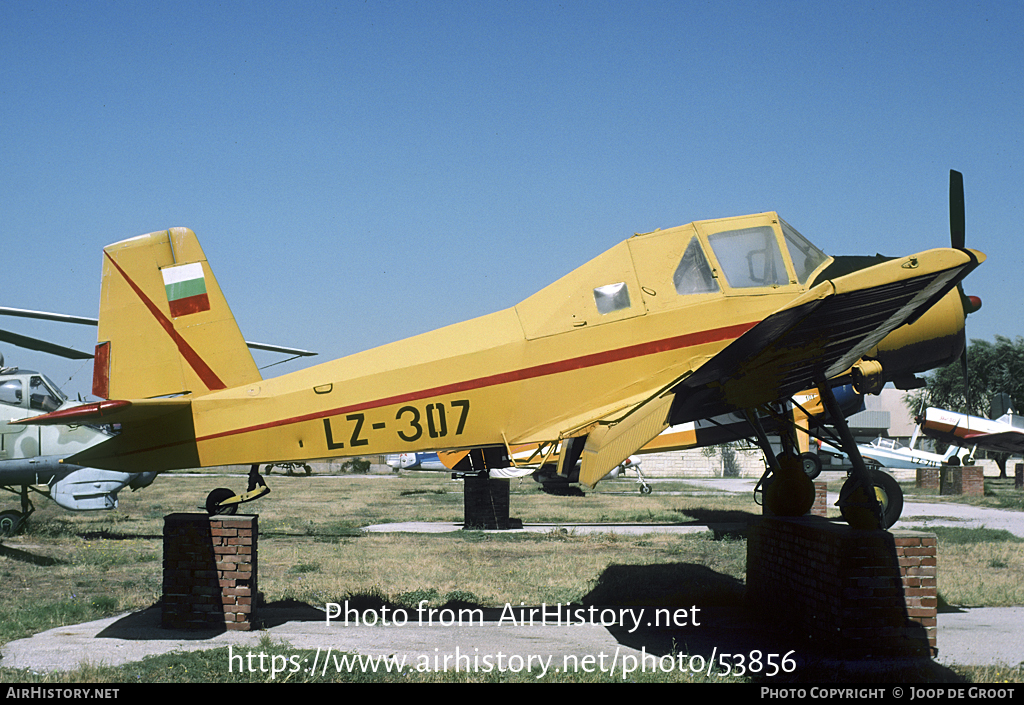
(214, 499)
(889, 495)
(811, 464)
(645, 489)
(10, 522)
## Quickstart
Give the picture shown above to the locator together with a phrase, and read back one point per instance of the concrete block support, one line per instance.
(855, 594)
(210, 572)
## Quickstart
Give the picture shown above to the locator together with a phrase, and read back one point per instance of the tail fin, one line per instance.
(165, 327)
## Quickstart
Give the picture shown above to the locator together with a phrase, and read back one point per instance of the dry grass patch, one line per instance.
(494, 569)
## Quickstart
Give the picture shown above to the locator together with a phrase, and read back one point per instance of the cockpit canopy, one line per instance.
(749, 257)
(678, 267)
(43, 395)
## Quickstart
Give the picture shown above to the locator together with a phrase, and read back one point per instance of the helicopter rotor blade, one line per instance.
(23, 341)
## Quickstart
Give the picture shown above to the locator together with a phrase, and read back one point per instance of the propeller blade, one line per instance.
(957, 238)
(967, 386)
(957, 224)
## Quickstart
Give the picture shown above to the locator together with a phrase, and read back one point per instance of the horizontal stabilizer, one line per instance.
(110, 411)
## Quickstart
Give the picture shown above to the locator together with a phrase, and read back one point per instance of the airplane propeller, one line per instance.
(957, 237)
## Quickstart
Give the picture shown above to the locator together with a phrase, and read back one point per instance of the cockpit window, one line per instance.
(10, 392)
(750, 257)
(693, 275)
(612, 297)
(806, 257)
(43, 396)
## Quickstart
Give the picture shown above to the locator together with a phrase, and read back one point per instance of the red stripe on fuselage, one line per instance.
(206, 375)
(577, 363)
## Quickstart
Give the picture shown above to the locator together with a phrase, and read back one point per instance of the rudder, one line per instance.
(165, 326)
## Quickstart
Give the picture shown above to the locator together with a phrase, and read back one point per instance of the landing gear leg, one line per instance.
(224, 501)
(858, 501)
(787, 491)
(645, 487)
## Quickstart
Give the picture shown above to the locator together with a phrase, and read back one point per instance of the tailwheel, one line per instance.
(889, 496)
(811, 464)
(10, 522)
(214, 499)
(224, 501)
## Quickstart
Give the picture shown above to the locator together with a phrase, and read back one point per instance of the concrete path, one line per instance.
(980, 637)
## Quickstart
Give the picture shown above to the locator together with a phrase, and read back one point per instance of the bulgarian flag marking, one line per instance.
(186, 289)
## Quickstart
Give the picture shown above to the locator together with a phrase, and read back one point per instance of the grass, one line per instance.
(71, 568)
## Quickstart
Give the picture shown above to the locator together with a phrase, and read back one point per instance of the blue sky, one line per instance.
(359, 172)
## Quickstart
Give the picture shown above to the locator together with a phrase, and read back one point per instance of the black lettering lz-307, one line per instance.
(438, 418)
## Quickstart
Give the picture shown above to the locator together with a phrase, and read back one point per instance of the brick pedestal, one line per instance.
(927, 479)
(486, 504)
(210, 571)
(820, 506)
(856, 594)
(966, 480)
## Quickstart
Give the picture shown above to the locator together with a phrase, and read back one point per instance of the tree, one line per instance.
(992, 368)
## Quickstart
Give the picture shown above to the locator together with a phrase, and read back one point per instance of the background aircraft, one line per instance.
(31, 456)
(31, 343)
(414, 461)
(890, 453)
(667, 327)
(526, 462)
(1004, 434)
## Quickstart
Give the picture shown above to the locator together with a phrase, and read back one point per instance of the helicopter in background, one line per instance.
(30, 456)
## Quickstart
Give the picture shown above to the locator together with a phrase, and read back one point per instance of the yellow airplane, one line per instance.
(664, 328)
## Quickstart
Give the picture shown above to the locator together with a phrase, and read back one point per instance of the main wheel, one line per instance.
(214, 499)
(10, 522)
(889, 496)
(790, 493)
